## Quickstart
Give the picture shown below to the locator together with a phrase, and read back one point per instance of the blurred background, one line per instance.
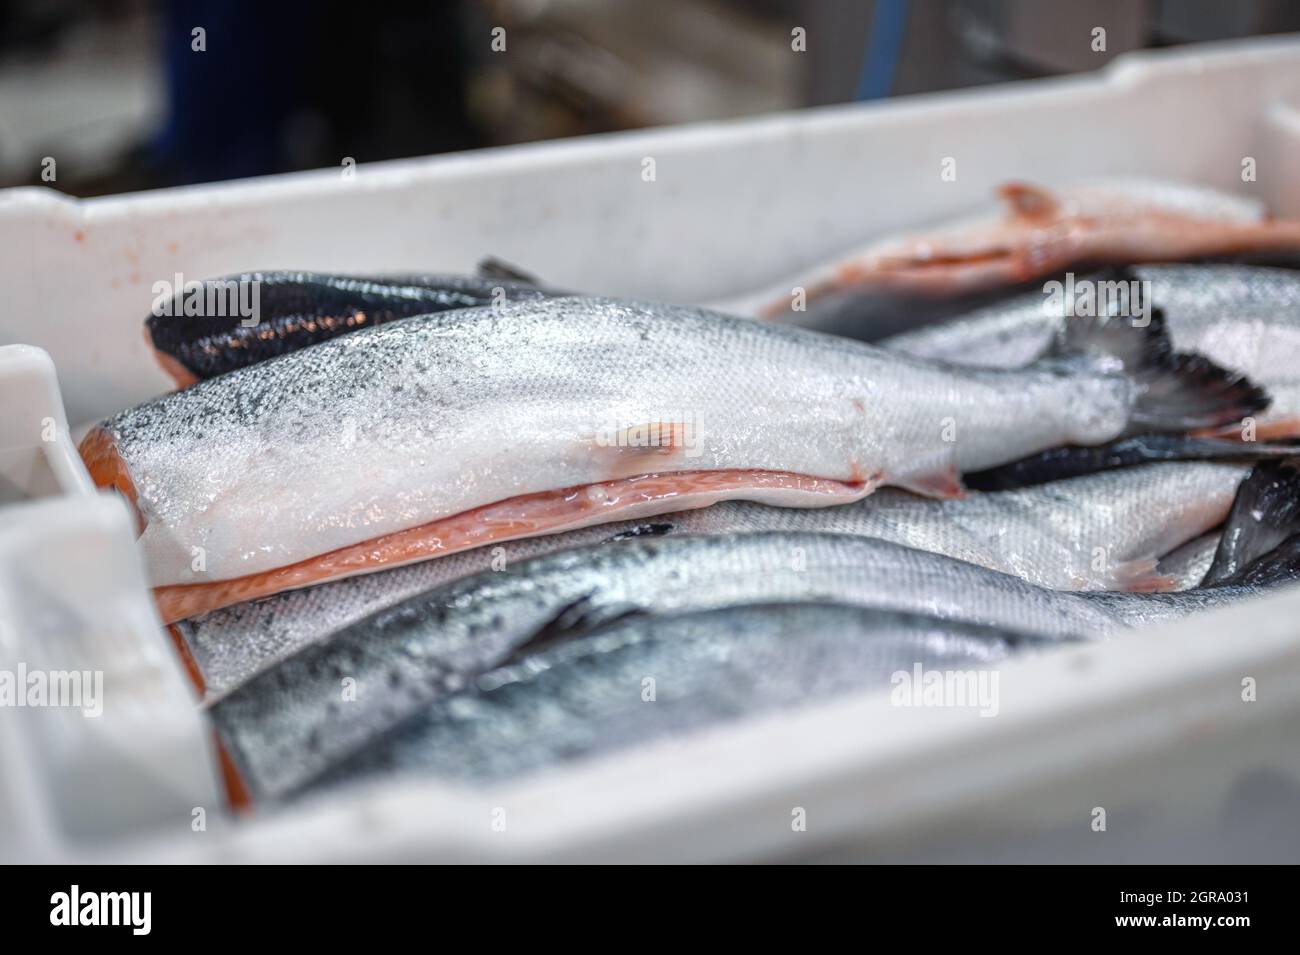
(139, 94)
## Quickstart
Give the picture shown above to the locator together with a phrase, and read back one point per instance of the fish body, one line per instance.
(292, 721)
(297, 309)
(1101, 531)
(1040, 232)
(587, 697)
(441, 432)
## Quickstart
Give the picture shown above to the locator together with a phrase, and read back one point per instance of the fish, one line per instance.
(588, 697)
(196, 334)
(1241, 317)
(441, 432)
(328, 699)
(1098, 532)
(1039, 232)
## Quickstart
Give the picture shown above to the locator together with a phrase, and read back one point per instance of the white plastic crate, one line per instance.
(1151, 728)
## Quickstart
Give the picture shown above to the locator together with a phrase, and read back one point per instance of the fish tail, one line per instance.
(1265, 515)
(1177, 391)
(1281, 565)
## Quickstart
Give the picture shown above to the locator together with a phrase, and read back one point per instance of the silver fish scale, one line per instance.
(353, 438)
(290, 722)
(585, 697)
(1048, 535)
(1245, 318)
(1188, 565)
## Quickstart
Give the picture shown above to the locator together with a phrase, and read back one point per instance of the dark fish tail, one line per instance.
(1281, 565)
(1264, 515)
(1178, 391)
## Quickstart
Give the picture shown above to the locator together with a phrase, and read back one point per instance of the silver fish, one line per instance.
(329, 698)
(1098, 532)
(586, 697)
(437, 433)
(1242, 317)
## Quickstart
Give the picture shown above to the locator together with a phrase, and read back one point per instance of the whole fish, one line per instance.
(442, 432)
(291, 722)
(1242, 317)
(197, 334)
(1098, 532)
(586, 697)
(1038, 233)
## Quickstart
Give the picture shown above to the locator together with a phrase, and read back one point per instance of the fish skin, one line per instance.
(521, 393)
(1065, 463)
(1037, 233)
(1243, 317)
(1187, 565)
(584, 697)
(289, 723)
(1049, 536)
(297, 309)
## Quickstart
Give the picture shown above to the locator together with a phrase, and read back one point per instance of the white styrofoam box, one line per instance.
(37, 456)
(1153, 724)
(73, 598)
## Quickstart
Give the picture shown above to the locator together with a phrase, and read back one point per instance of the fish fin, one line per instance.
(653, 529)
(1178, 391)
(1265, 512)
(490, 267)
(1029, 202)
(573, 620)
(1139, 576)
(945, 483)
